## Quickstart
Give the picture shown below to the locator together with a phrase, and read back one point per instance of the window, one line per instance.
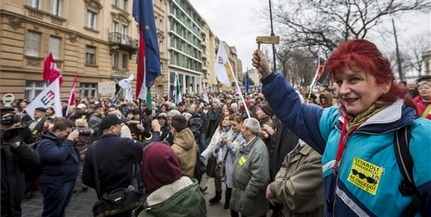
(34, 88)
(114, 58)
(116, 3)
(91, 19)
(35, 4)
(88, 90)
(54, 47)
(90, 55)
(125, 2)
(124, 61)
(124, 30)
(114, 26)
(32, 47)
(56, 7)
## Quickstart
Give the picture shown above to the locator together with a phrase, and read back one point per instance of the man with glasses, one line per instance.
(60, 167)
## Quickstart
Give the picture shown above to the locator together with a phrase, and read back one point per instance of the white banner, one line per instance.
(48, 97)
(106, 88)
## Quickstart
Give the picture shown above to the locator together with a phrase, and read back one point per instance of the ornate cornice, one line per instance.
(121, 16)
(93, 4)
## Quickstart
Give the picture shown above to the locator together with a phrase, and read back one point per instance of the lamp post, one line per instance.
(272, 34)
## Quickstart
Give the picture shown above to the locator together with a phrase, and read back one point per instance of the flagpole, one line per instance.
(314, 79)
(239, 89)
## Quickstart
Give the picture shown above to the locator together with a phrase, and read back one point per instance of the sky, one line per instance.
(237, 22)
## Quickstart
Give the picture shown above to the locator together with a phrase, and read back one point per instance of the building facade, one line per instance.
(97, 40)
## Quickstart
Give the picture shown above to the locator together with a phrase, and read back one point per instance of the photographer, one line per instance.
(16, 158)
(60, 166)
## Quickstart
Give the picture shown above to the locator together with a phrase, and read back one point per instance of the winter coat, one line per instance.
(14, 163)
(368, 149)
(421, 107)
(214, 145)
(182, 198)
(299, 183)
(185, 148)
(284, 142)
(59, 158)
(115, 157)
(250, 179)
(230, 149)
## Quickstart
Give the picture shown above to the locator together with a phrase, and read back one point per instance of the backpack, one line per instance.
(407, 186)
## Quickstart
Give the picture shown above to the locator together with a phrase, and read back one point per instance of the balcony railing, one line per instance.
(123, 41)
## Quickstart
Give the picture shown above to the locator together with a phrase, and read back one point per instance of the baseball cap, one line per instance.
(109, 121)
(81, 105)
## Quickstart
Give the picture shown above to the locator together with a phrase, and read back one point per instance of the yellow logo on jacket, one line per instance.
(242, 160)
(365, 175)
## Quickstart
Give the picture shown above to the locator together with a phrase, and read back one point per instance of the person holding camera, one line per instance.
(16, 159)
(60, 166)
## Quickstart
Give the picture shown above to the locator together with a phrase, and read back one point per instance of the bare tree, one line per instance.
(297, 65)
(320, 24)
(414, 51)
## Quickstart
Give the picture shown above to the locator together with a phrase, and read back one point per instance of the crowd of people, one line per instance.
(298, 154)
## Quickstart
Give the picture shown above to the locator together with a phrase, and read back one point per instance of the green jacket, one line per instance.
(250, 179)
(182, 198)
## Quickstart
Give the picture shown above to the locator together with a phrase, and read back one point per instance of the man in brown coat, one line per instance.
(298, 185)
(184, 145)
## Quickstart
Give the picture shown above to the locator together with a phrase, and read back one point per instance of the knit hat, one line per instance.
(160, 166)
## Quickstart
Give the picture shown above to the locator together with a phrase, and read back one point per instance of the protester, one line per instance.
(60, 167)
(250, 174)
(230, 145)
(298, 185)
(82, 146)
(360, 132)
(184, 145)
(16, 158)
(169, 193)
(423, 101)
(223, 130)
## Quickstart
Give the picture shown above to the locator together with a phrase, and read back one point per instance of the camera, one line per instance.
(83, 132)
(11, 135)
(11, 119)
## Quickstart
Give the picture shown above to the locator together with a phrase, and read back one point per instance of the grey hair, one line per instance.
(252, 124)
(422, 83)
(173, 112)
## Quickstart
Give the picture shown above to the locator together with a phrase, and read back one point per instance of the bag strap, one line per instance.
(405, 163)
(96, 172)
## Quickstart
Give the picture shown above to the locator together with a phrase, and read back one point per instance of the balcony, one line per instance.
(203, 34)
(118, 41)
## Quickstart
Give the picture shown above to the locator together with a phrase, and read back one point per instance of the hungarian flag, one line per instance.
(72, 95)
(50, 71)
(148, 54)
(222, 66)
(177, 90)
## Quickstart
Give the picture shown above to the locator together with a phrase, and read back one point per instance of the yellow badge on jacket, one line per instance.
(242, 160)
(365, 175)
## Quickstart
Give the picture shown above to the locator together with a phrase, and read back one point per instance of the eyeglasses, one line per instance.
(369, 179)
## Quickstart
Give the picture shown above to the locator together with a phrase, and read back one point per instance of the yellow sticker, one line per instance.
(235, 142)
(365, 175)
(242, 160)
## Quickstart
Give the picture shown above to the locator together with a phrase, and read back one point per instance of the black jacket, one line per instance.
(284, 142)
(14, 162)
(115, 157)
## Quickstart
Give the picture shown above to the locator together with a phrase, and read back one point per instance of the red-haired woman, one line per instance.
(360, 171)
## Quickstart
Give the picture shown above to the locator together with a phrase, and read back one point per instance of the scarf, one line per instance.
(359, 119)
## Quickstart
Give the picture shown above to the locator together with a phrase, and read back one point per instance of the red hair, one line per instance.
(364, 54)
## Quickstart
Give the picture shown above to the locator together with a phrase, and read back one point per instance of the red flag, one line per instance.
(50, 70)
(72, 95)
